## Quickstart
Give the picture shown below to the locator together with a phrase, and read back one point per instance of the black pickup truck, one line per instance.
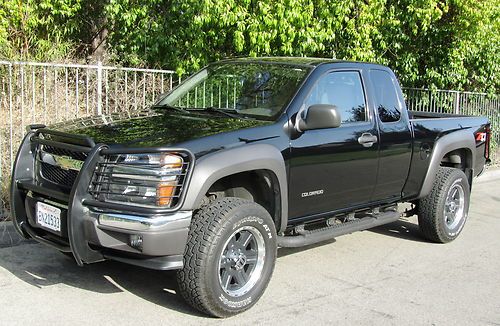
(245, 156)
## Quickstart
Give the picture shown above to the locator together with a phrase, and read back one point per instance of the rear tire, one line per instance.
(229, 257)
(443, 212)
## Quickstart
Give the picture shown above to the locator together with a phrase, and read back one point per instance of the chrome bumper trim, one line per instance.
(140, 223)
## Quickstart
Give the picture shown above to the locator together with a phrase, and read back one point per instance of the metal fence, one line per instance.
(45, 93)
(32, 92)
(455, 102)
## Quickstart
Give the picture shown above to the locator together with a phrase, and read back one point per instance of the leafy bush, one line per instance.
(37, 30)
(451, 44)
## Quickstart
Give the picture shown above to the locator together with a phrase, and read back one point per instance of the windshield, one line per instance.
(259, 90)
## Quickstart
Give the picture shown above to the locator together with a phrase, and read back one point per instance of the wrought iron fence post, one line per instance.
(99, 87)
(457, 102)
(11, 124)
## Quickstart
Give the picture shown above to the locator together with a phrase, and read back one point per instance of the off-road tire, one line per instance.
(211, 229)
(431, 209)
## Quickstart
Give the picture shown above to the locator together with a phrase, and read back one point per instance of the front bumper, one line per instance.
(94, 232)
(139, 223)
(154, 236)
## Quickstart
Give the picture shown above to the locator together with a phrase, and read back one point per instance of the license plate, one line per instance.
(48, 216)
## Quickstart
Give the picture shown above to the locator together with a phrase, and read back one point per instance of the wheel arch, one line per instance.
(236, 166)
(453, 150)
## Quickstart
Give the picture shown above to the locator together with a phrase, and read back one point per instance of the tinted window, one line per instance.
(344, 90)
(386, 98)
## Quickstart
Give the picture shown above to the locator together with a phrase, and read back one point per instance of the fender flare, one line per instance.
(456, 140)
(213, 167)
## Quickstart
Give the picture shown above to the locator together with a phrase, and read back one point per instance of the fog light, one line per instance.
(136, 241)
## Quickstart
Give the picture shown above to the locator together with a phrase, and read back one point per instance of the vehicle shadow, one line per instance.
(283, 252)
(42, 266)
(401, 229)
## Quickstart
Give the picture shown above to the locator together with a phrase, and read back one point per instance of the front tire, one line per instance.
(443, 212)
(229, 257)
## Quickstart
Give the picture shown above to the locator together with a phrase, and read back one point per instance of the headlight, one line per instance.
(141, 179)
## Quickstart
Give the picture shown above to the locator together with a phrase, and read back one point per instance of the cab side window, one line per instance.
(344, 90)
(386, 99)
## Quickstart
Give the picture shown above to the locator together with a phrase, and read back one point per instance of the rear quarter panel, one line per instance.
(426, 133)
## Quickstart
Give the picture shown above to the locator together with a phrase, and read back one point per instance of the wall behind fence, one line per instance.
(44, 93)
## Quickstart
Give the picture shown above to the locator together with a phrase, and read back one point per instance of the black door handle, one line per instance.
(367, 139)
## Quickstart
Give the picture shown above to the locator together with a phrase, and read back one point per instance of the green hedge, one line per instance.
(448, 44)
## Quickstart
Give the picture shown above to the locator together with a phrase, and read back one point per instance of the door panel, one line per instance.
(329, 168)
(395, 136)
(394, 161)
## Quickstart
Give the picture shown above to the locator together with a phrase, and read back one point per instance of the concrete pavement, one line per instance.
(385, 276)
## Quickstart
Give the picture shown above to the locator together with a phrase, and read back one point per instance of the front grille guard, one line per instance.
(80, 199)
(83, 144)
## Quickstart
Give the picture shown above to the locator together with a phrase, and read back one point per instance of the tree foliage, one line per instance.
(432, 43)
(33, 28)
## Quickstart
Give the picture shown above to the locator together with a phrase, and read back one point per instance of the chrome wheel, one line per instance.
(241, 261)
(454, 205)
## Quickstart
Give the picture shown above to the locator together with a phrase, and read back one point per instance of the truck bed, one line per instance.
(433, 115)
(428, 128)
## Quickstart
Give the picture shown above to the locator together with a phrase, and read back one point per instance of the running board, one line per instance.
(330, 232)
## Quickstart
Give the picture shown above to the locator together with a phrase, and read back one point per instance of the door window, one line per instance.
(344, 90)
(386, 99)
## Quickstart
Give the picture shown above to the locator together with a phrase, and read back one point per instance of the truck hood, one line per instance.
(154, 128)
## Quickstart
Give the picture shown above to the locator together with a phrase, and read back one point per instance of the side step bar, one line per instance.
(330, 232)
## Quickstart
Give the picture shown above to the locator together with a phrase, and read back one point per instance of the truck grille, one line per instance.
(57, 175)
(60, 157)
(64, 152)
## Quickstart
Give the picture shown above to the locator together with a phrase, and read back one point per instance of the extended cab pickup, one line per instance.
(245, 156)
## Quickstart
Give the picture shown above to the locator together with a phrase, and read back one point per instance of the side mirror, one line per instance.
(319, 116)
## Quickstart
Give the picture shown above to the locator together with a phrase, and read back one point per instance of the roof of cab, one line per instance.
(295, 61)
(287, 60)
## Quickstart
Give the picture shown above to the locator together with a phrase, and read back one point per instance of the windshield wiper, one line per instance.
(223, 111)
(206, 109)
(170, 107)
(226, 112)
